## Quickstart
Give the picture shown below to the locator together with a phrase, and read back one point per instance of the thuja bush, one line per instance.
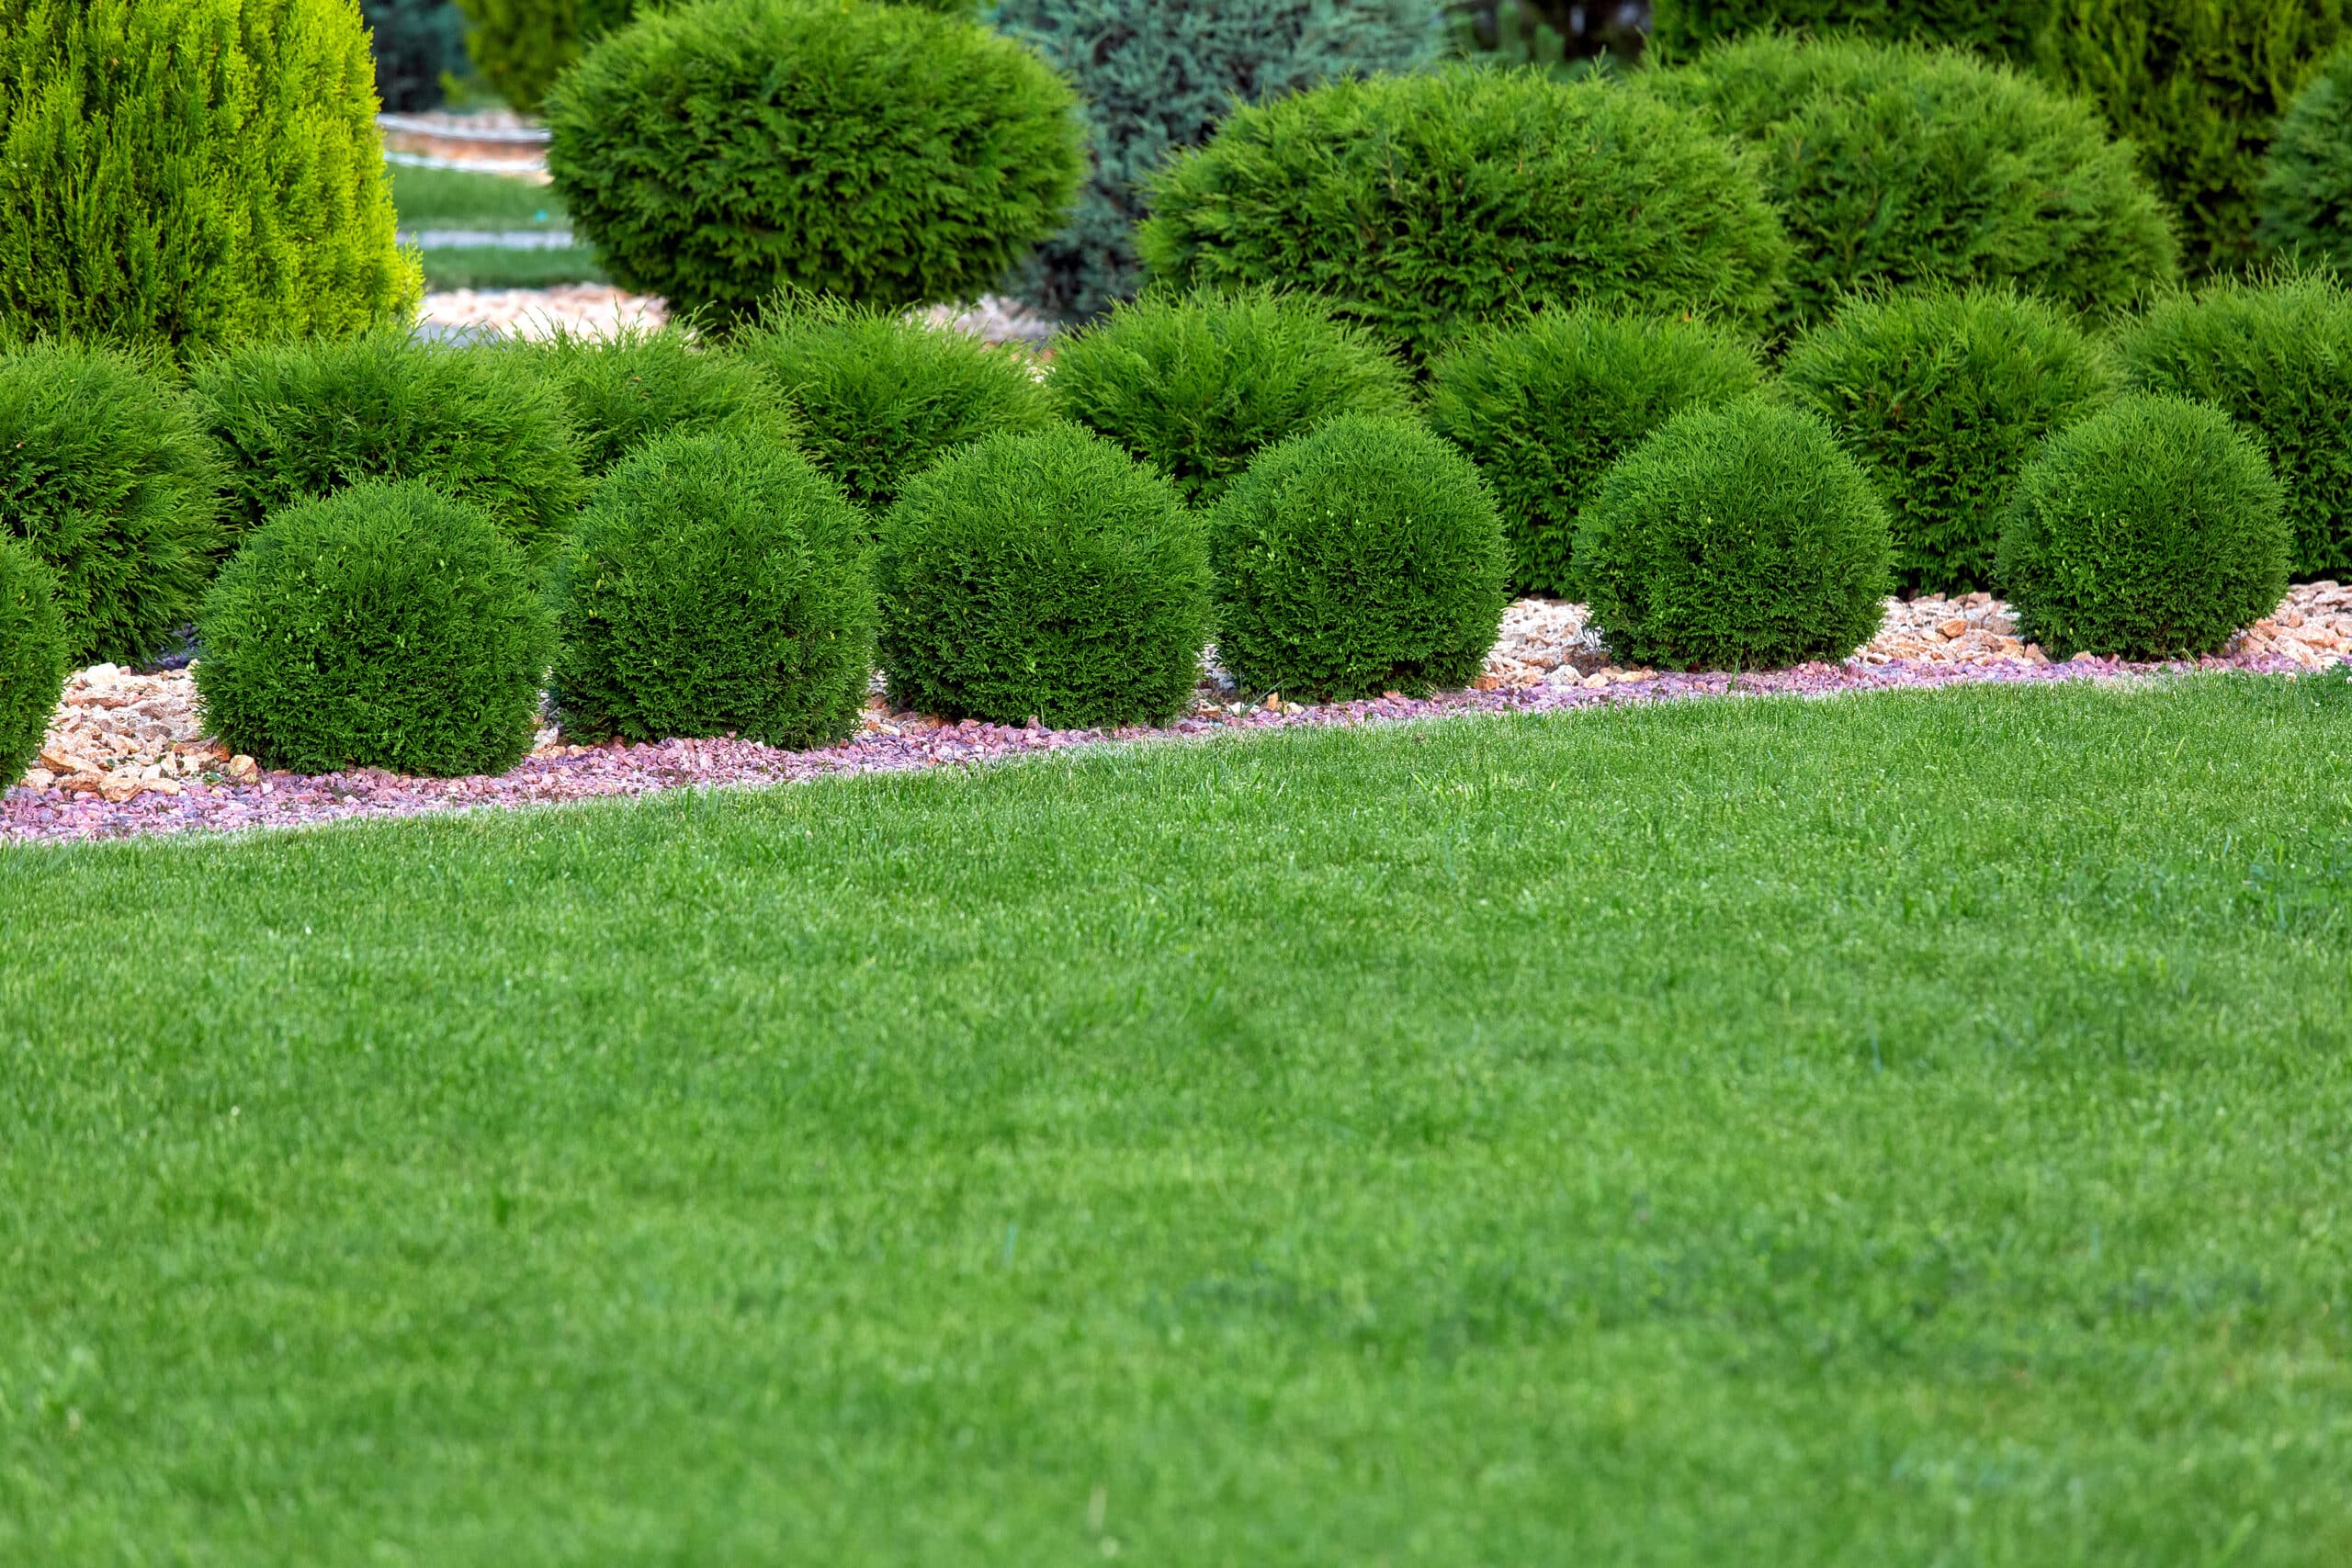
(1545, 406)
(188, 173)
(107, 477)
(33, 659)
(387, 626)
(1046, 576)
(2304, 203)
(1943, 394)
(622, 391)
(2006, 29)
(718, 585)
(521, 45)
(888, 154)
(2149, 530)
(1422, 206)
(1364, 557)
(1195, 385)
(1738, 537)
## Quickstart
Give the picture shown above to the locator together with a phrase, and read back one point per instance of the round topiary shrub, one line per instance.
(877, 397)
(622, 391)
(2149, 530)
(302, 422)
(1545, 406)
(1423, 206)
(1195, 386)
(2276, 357)
(1740, 538)
(387, 626)
(2304, 203)
(1943, 394)
(521, 45)
(106, 477)
(718, 585)
(888, 154)
(33, 659)
(190, 172)
(1895, 164)
(1364, 557)
(1047, 576)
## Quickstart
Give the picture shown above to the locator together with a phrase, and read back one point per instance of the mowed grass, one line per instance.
(460, 200)
(1910, 1129)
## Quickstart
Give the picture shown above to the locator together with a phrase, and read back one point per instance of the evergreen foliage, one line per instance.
(1999, 29)
(415, 43)
(33, 660)
(2304, 201)
(521, 45)
(621, 391)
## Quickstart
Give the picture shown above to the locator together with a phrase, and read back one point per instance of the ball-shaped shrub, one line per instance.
(1739, 537)
(1364, 557)
(2276, 357)
(387, 626)
(1943, 394)
(2304, 203)
(1422, 206)
(1195, 385)
(106, 476)
(718, 585)
(876, 398)
(32, 657)
(888, 154)
(1047, 576)
(1897, 165)
(190, 172)
(1545, 407)
(2004, 30)
(521, 45)
(622, 391)
(300, 422)
(2149, 530)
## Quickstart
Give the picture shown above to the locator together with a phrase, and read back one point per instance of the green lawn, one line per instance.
(454, 198)
(1914, 1129)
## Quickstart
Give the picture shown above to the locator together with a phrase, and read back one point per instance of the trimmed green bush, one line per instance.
(622, 391)
(2276, 357)
(2149, 530)
(1047, 576)
(2303, 202)
(1895, 164)
(1943, 395)
(876, 398)
(304, 422)
(106, 477)
(1158, 74)
(1423, 206)
(2002, 29)
(1545, 407)
(1740, 538)
(33, 660)
(718, 585)
(1364, 557)
(387, 626)
(521, 45)
(192, 173)
(888, 154)
(1195, 386)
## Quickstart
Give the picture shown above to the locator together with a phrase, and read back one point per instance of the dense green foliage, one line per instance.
(1196, 385)
(1895, 164)
(2152, 530)
(1423, 206)
(888, 154)
(1364, 557)
(415, 43)
(1545, 407)
(2004, 30)
(1155, 76)
(189, 173)
(33, 659)
(718, 586)
(106, 477)
(1045, 576)
(387, 626)
(2304, 203)
(521, 45)
(622, 390)
(1943, 394)
(1738, 537)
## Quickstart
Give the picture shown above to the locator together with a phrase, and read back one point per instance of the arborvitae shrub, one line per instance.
(1943, 395)
(1897, 165)
(298, 423)
(387, 626)
(1422, 206)
(521, 45)
(1738, 537)
(1160, 74)
(718, 585)
(2003, 29)
(191, 173)
(1364, 557)
(622, 391)
(1047, 576)
(33, 659)
(888, 154)
(414, 41)
(106, 476)
(2304, 201)
(875, 397)
(2149, 530)
(1545, 406)
(1195, 386)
